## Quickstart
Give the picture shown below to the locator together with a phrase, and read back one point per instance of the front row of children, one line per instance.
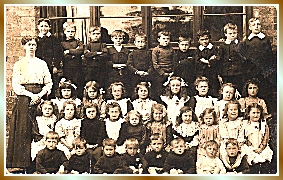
(232, 146)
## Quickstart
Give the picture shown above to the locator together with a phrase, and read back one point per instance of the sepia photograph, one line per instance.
(141, 89)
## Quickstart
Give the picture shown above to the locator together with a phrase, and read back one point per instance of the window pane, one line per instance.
(126, 18)
(180, 23)
(215, 18)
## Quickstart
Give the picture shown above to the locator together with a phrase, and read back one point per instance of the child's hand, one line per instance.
(215, 170)
(213, 57)
(204, 60)
(258, 150)
(66, 52)
(61, 170)
(55, 70)
(152, 170)
(173, 171)
(74, 172)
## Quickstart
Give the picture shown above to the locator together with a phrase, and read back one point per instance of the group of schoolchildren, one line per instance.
(149, 120)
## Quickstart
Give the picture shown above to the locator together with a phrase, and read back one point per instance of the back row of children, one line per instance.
(233, 61)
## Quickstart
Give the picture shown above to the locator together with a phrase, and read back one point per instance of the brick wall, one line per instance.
(20, 21)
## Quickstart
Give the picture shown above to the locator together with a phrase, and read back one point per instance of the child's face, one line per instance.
(43, 27)
(132, 149)
(142, 92)
(204, 40)
(157, 115)
(30, 47)
(109, 151)
(47, 110)
(66, 93)
(92, 94)
(80, 151)
(117, 92)
(114, 113)
(69, 111)
(95, 35)
(175, 86)
(232, 112)
(70, 32)
(254, 114)
(231, 34)
(117, 40)
(208, 119)
(232, 150)
(202, 88)
(179, 148)
(184, 46)
(51, 143)
(252, 90)
(228, 93)
(187, 117)
(140, 42)
(90, 112)
(134, 120)
(211, 151)
(255, 27)
(163, 40)
(156, 145)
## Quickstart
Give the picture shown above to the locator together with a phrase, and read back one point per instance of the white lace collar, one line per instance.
(209, 46)
(42, 35)
(260, 35)
(229, 42)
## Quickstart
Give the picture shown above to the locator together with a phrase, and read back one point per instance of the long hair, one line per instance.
(90, 105)
(66, 84)
(254, 81)
(182, 93)
(185, 109)
(142, 84)
(47, 102)
(62, 114)
(209, 111)
(225, 114)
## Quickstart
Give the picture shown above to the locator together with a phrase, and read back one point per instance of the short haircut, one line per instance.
(202, 33)
(232, 141)
(164, 33)
(177, 140)
(109, 89)
(136, 113)
(112, 105)
(109, 142)
(79, 142)
(201, 79)
(26, 39)
(249, 108)
(156, 137)
(183, 38)
(131, 141)
(209, 111)
(69, 25)
(52, 135)
(91, 105)
(147, 85)
(211, 143)
(48, 102)
(44, 20)
(141, 35)
(225, 115)
(253, 20)
(94, 28)
(118, 33)
(185, 109)
(222, 87)
(230, 26)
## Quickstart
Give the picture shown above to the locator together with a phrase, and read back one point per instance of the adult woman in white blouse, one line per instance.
(31, 81)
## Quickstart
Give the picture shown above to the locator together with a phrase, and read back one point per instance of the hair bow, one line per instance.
(63, 81)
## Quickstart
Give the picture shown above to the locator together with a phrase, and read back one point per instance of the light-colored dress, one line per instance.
(174, 105)
(202, 103)
(60, 101)
(257, 136)
(45, 124)
(143, 106)
(189, 131)
(245, 102)
(113, 128)
(205, 165)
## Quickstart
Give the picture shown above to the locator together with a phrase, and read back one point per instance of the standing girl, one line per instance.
(115, 93)
(175, 97)
(49, 49)
(45, 122)
(231, 125)
(226, 94)
(113, 120)
(93, 95)
(209, 129)
(159, 124)
(257, 135)
(66, 92)
(133, 128)
(142, 101)
(30, 84)
(68, 127)
(187, 128)
(250, 94)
